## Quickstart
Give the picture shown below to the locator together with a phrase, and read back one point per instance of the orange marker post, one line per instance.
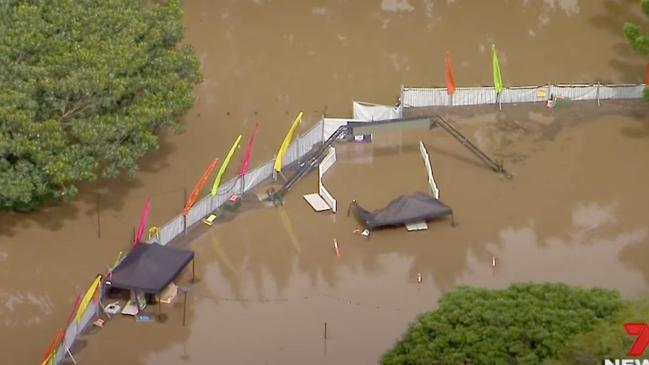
(336, 248)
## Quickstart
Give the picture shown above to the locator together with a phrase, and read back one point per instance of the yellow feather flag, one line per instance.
(495, 65)
(87, 297)
(287, 142)
(224, 166)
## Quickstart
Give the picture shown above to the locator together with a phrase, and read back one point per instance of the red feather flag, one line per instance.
(199, 185)
(245, 166)
(144, 219)
(450, 78)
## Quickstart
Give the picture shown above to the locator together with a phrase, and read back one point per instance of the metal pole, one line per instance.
(598, 104)
(184, 216)
(98, 217)
(184, 290)
(72, 357)
(325, 330)
(243, 185)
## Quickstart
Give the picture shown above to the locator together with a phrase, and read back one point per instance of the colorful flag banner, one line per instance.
(498, 78)
(75, 307)
(245, 165)
(450, 78)
(144, 218)
(50, 355)
(287, 142)
(224, 166)
(87, 297)
(199, 186)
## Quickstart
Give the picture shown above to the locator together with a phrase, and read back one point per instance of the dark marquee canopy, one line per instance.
(403, 210)
(149, 268)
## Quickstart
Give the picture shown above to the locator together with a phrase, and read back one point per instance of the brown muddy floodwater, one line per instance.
(576, 210)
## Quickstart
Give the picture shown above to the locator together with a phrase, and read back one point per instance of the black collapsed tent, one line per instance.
(149, 268)
(403, 210)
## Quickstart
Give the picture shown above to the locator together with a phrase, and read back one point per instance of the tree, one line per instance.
(639, 39)
(525, 324)
(607, 339)
(86, 88)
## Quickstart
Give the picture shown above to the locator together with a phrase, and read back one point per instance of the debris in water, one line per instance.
(337, 248)
(99, 323)
(418, 278)
(493, 261)
(366, 233)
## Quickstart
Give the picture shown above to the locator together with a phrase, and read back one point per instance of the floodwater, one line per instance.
(576, 210)
(269, 279)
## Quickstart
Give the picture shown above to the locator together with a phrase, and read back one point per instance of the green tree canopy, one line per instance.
(638, 39)
(525, 324)
(635, 35)
(607, 340)
(86, 87)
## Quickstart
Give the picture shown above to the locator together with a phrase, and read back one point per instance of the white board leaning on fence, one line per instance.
(429, 170)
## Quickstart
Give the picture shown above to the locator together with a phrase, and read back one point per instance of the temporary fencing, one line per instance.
(410, 97)
(179, 224)
(423, 97)
(84, 310)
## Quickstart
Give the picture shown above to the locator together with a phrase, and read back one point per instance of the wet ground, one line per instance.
(574, 212)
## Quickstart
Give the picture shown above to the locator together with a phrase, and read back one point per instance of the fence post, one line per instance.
(598, 104)
(322, 122)
(298, 142)
(184, 216)
(274, 172)
(243, 184)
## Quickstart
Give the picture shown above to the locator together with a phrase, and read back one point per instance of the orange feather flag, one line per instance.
(450, 79)
(199, 185)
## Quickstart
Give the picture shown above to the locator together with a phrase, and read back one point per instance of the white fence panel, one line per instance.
(369, 111)
(429, 169)
(575, 92)
(330, 125)
(325, 165)
(198, 211)
(172, 229)
(256, 176)
(621, 92)
(417, 97)
(524, 94)
(474, 96)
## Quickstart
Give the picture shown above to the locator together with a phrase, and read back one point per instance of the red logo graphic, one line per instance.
(642, 331)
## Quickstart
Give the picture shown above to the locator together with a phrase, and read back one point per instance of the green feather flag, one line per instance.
(224, 166)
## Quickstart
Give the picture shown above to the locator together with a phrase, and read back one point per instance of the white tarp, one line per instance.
(369, 111)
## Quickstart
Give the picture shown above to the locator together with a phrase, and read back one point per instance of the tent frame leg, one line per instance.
(193, 269)
(72, 357)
